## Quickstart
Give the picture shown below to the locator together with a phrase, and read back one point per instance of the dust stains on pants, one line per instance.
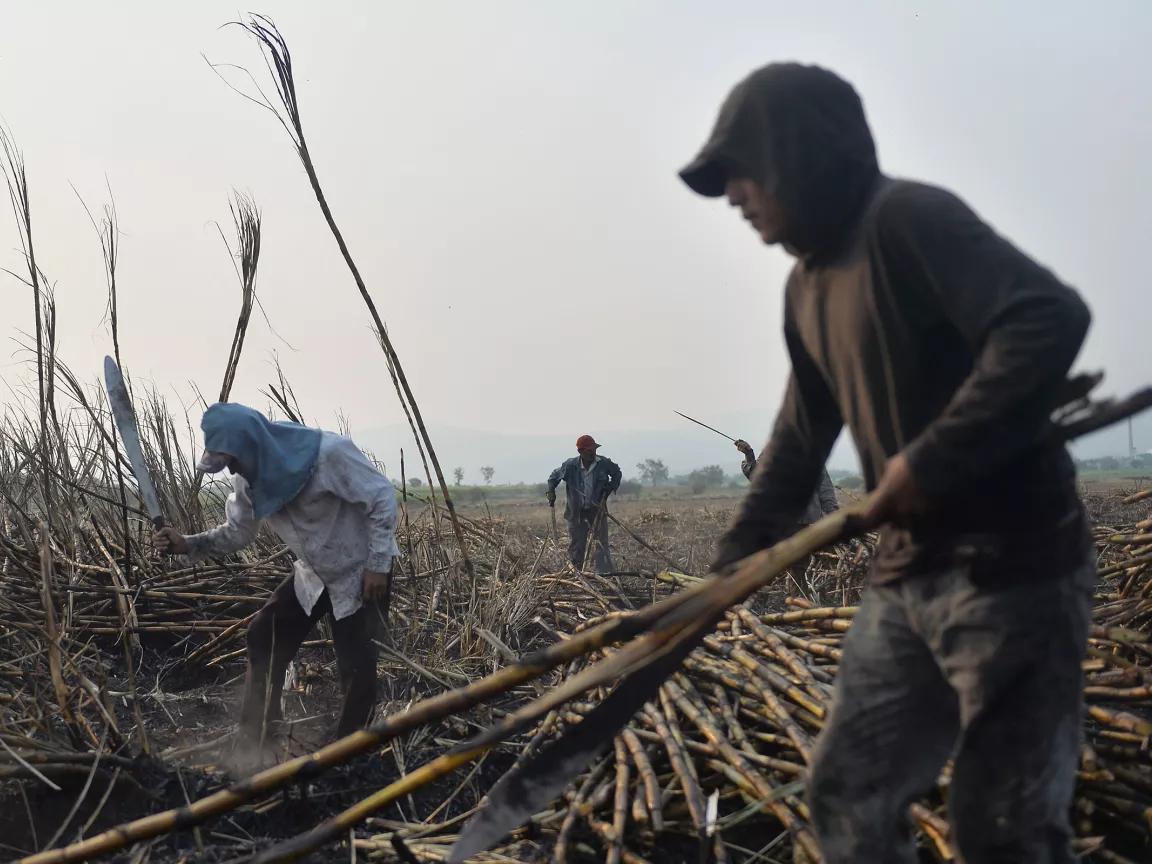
(938, 666)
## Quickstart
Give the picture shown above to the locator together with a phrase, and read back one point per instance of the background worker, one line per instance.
(588, 481)
(823, 502)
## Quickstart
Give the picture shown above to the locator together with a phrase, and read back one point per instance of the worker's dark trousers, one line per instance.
(990, 674)
(585, 526)
(274, 637)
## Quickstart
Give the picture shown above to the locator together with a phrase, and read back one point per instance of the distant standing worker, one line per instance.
(337, 513)
(823, 502)
(588, 480)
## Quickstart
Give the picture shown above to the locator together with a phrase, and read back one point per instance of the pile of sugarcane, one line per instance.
(716, 763)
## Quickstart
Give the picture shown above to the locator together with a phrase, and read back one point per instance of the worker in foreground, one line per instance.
(588, 481)
(943, 348)
(822, 503)
(337, 514)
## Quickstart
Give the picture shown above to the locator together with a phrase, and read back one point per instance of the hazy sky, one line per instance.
(504, 173)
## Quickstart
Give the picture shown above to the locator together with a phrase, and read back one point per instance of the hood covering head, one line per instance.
(277, 458)
(800, 132)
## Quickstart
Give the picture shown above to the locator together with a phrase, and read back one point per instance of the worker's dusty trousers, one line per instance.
(274, 637)
(937, 666)
(590, 526)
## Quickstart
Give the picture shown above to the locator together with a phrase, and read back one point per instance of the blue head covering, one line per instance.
(277, 458)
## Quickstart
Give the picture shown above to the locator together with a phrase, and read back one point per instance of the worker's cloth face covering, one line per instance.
(800, 133)
(277, 458)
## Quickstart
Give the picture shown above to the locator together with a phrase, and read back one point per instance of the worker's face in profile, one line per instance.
(587, 456)
(759, 206)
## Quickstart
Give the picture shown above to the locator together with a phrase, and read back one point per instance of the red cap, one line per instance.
(586, 442)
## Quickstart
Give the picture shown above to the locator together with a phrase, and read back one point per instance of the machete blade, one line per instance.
(125, 418)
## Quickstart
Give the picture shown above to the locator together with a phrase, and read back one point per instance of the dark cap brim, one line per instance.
(705, 175)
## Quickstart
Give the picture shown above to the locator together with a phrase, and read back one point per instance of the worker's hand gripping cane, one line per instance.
(896, 497)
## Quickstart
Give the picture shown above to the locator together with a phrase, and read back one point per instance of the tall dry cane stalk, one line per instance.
(246, 218)
(50, 629)
(108, 230)
(12, 167)
(279, 62)
(110, 244)
(282, 395)
(245, 259)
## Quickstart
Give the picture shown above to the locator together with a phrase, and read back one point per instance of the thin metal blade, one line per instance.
(125, 419)
(706, 426)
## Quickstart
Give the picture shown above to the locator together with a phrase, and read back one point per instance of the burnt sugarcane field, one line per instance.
(250, 610)
(119, 671)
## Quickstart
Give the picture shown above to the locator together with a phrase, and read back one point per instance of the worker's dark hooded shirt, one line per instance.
(908, 319)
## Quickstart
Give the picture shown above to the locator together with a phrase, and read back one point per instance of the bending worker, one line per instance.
(337, 513)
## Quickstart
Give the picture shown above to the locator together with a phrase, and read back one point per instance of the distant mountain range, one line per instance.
(528, 458)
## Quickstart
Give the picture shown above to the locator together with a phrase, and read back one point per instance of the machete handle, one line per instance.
(159, 522)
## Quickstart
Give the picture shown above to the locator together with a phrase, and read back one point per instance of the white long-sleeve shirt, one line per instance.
(342, 523)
